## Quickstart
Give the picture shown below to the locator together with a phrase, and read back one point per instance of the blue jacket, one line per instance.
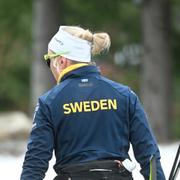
(88, 117)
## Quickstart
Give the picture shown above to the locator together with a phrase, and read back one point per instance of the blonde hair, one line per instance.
(100, 41)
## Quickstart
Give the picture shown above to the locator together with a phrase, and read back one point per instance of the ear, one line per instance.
(62, 61)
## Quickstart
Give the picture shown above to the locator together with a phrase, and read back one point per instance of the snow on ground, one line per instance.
(10, 167)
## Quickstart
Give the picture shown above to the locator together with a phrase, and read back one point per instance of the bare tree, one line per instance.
(156, 79)
(47, 16)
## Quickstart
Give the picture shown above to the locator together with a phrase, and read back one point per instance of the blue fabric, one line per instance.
(95, 132)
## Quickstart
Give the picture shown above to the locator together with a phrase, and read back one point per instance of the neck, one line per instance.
(68, 69)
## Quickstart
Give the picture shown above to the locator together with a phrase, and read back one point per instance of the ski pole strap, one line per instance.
(152, 172)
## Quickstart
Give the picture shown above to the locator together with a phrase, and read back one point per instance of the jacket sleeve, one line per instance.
(142, 139)
(40, 145)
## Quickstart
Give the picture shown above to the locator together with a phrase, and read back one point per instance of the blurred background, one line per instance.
(144, 55)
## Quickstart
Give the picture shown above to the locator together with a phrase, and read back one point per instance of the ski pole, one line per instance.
(176, 171)
(153, 173)
(173, 170)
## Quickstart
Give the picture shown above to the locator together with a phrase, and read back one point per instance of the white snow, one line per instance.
(10, 166)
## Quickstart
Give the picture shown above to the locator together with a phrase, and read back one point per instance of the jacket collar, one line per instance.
(80, 69)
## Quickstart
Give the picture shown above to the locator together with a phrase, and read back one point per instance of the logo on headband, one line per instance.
(59, 41)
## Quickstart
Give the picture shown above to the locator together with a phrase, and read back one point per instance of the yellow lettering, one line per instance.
(95, 105)
(67, 109)
(103, 104)
(112, 104)
(87, 107)
(76, 107)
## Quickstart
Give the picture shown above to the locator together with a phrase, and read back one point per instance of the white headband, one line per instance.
(78, 49)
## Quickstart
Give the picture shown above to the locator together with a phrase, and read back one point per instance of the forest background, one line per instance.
(144, 54)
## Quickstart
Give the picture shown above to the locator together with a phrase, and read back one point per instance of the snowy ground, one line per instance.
(10, 167)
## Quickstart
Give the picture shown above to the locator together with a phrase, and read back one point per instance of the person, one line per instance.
(88, 120)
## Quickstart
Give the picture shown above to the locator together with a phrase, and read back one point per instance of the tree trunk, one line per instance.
(156, 79)
(45, 25)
